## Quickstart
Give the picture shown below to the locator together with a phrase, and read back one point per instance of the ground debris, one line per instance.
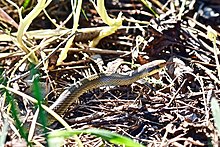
(171, 108)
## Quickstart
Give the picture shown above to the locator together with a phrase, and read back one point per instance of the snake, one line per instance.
(73, 92)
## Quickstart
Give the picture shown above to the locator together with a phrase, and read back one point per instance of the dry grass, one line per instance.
(172, 109)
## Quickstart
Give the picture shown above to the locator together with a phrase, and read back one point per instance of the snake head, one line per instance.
(152, 67)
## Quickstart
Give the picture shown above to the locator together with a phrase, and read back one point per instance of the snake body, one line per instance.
(72, 93)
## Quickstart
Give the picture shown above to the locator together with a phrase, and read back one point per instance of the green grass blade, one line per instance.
(26, 3)
(216, 113)
(40, 100)
(112, 137)
(15, 116)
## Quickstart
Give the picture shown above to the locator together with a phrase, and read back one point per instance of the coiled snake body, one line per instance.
(71, 94)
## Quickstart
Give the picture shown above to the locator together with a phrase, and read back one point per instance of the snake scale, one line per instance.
(72, 93)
